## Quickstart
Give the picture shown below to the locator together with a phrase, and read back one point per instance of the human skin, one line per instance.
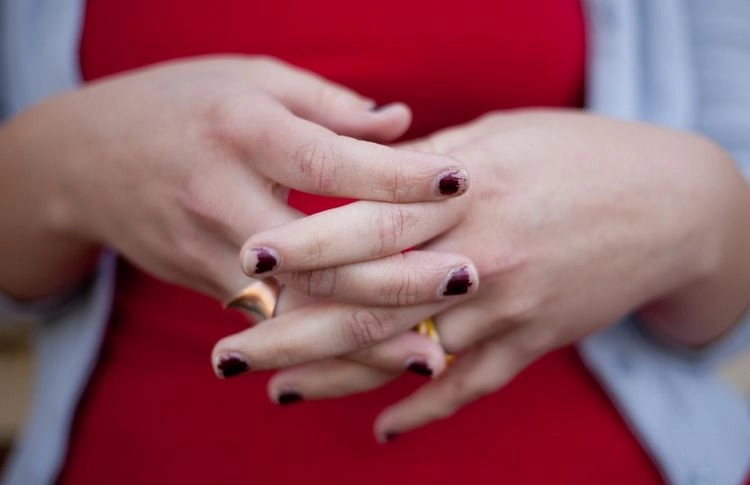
(176, 165)
(573, 221)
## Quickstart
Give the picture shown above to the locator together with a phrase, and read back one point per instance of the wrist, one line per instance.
(40, 254)
(709, 305)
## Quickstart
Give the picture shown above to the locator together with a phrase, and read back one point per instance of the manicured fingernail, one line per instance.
(288, 397)
(452, 182)
(230, 365)
(261, 260)
(459, 282)
(419, 366)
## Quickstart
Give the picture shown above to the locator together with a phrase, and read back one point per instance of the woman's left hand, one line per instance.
(574, 221)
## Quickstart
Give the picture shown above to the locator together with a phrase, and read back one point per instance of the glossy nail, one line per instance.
(230, 365)
(452, 182)
(288, 397)
(459, 282)
(260, 260)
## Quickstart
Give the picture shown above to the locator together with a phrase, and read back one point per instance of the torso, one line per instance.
(154, 412)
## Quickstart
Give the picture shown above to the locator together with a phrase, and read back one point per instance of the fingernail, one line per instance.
(419, 366)
(288, 397)
(379, 108)
(261, 260)
(459, 282)
(230, 365)
(452, 182)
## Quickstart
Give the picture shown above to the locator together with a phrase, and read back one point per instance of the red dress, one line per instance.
(154, 412)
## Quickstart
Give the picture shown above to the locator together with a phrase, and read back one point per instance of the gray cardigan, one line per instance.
(680, 63)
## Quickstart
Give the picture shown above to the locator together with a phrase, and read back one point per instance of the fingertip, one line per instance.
(387, 122)
(452, 182)
(419, 366)
(283, 393)
(393, 110)
(438, 363)
(459, 281)
(259, 261)
(383, 431)
(230, 364)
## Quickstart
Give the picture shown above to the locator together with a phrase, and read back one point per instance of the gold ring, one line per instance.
(258, 299)
(427, 328)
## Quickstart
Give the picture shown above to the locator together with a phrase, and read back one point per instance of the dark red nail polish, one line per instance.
(450, 183)
(421, 368)
(288, 397)
(232, 365)
(459, 282)
(266, 261)
(390, 436)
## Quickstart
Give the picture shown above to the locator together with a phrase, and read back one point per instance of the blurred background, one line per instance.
(16, 377)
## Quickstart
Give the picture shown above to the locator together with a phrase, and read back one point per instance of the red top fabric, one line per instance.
(154, 412)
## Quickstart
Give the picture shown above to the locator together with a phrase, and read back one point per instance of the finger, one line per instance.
(403, 279)
(356, 232)
(261, 300)
(468, 323)
(314, 332)
(330, 104)
(483, 370)
(290, 299)
(325, 379)
(358, 371)
(406, 351)
(222, 224)
(467, 137)
(307, 157)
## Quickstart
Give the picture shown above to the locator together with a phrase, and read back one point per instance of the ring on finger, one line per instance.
(259, 299)
(428, 328)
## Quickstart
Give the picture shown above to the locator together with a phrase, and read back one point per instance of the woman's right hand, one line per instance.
(177, 165)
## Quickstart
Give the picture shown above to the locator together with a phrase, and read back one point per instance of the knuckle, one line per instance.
(400, 187)
(200, 207)
(319, 163)
(395, 181)
(364, 327)
(392, 223)
(520, 310)
(406, 291)
(221, 120)
(332, 96)
(315, 250)
(536, 341)
(226, 126)
(320, 284)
